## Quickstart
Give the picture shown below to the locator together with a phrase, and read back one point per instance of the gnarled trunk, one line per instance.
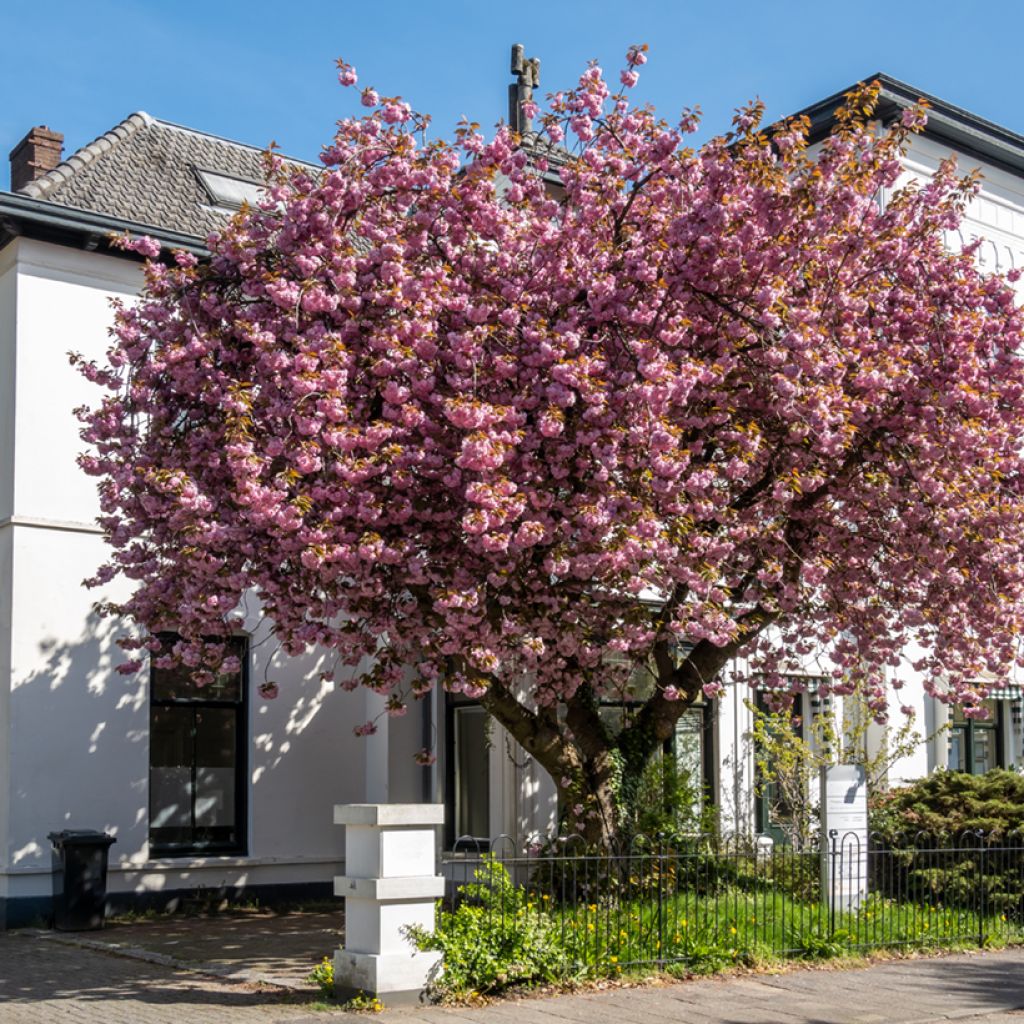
(599, 773)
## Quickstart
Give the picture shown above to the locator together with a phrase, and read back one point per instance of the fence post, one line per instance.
(834, 854)
(661, 901)
(390, 882)
(981, 889)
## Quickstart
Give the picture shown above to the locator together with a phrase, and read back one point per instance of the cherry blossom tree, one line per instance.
(587, 414)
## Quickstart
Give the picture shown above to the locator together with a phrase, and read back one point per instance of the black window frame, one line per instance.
(453, 841)
(969, 726)
(240, 845)
(706, 706)
(764, 792)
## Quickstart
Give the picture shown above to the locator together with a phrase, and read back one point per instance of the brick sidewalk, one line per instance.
(42, 980)
(280, 948)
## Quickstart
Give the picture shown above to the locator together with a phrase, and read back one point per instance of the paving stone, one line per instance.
(43, 981)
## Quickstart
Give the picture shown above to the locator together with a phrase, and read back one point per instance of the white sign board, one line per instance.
(844, 835)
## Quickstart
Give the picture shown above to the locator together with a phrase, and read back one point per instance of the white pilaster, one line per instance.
(376, 747)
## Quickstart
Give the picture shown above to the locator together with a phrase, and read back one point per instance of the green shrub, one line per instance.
(497, 936)
(953, 839)
(948, 803)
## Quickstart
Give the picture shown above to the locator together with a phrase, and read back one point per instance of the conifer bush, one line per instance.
(953, 840)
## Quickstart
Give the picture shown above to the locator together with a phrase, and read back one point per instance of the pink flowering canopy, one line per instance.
(525, 413)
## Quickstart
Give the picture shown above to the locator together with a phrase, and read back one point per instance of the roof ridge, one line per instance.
(47, 183)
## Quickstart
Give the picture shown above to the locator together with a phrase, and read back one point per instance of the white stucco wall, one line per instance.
(74, 734)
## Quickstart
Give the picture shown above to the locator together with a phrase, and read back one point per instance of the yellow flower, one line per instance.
(590, 926)
(545, 897)
(614, 959)
(684, 922)
(592, 907)
(732, 930)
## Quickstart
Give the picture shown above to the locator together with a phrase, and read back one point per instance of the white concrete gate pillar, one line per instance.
(390, 882)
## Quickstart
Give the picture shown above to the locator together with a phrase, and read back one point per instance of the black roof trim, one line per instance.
(958, 128)
(85, 229)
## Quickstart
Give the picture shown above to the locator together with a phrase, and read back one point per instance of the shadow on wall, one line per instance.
(80, 752)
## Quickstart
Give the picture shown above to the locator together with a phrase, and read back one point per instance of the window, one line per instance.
(229, 192)
(197, 759)
(690, 746)
(975, 744)
(468, 775)
(773, 809)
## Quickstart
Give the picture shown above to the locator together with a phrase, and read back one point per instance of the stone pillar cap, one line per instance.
(389, 815)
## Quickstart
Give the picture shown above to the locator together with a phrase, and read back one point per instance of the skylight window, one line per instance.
(228, 192)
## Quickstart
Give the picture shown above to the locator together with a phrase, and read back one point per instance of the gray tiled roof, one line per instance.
(145, 170)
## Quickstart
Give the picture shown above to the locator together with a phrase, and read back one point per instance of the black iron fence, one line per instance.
(701, 900)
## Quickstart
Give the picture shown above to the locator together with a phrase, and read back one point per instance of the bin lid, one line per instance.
(80, 837)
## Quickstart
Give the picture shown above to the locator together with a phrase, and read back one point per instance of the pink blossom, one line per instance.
(146, 246)
(426, 420)
(347, 74)
(268, 691)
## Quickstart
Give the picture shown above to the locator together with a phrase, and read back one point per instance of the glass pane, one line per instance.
(176, 683)
(472, 773)
(959, 718)
(958, 748)
(172, 737)
(984, 749)
(171, 745)
(689, 749)
(614, 718)
(192, 800)
(690, 743)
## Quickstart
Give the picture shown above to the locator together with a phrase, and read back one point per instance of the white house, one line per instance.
(230, 792)
(947, 738)
(219, 790)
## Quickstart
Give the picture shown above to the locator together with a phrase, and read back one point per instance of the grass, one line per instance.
(710, 931)
(502, 935)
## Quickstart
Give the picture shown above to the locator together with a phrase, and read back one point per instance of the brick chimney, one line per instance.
(37, 153)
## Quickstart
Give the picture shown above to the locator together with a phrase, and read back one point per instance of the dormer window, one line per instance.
(227, 192)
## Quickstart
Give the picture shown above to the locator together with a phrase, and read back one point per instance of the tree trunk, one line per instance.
(599, 774)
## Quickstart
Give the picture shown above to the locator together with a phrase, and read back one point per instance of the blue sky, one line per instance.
(258, 71)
